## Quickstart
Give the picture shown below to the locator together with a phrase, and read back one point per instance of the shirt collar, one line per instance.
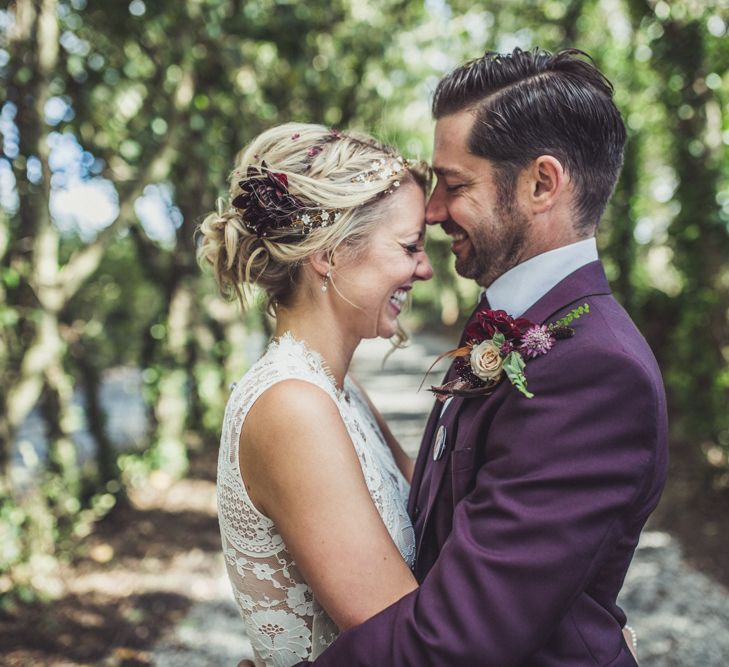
(521, 287)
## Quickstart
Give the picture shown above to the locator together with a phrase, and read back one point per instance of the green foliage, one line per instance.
(573, 315)
(514, 368)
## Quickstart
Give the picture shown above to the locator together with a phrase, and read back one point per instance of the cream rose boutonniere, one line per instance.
(486, 361)
(499, 345)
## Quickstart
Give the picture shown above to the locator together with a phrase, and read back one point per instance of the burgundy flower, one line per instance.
(265, 201)
(488, 322)
(506, 348)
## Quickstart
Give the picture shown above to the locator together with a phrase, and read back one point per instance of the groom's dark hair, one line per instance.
(532, 103)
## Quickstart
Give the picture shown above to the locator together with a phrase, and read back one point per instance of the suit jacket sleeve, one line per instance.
(562, 473)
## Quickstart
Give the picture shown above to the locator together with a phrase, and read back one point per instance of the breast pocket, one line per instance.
(462, 472)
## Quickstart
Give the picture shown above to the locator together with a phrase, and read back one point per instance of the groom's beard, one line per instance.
(497, 245)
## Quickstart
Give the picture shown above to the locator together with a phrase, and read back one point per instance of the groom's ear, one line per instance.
(546, 181)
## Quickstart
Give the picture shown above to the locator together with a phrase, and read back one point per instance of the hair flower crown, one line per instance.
(269, 208)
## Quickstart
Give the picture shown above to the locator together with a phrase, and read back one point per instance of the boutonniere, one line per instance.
(498, 346)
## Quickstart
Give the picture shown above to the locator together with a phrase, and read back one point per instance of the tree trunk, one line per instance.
(107, 469)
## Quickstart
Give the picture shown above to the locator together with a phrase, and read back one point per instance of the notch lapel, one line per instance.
(426, 443)
(437, 468)
(422, 458)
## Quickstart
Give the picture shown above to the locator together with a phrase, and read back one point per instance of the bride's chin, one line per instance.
(389, 330)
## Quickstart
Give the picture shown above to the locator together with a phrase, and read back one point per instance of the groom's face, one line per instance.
(488, 229)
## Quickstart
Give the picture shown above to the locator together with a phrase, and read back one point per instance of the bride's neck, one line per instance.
(323, 333)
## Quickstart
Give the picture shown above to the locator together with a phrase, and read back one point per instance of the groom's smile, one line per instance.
(458, 235)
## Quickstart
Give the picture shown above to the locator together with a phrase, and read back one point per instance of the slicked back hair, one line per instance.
(532, 103)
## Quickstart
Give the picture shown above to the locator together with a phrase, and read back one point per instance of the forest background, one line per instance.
(120, 122)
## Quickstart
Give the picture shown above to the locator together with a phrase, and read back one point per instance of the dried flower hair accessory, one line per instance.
(313, 151)
(268, 206)
(499, 345)
(383, 169)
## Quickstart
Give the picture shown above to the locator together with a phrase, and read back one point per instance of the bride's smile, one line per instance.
(370, 289)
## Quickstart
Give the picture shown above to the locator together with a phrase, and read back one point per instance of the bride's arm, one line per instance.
(404, 462)
(302, 471)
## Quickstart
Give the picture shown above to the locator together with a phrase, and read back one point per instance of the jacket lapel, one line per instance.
(426, 443)
(422, 458)
(448, 422)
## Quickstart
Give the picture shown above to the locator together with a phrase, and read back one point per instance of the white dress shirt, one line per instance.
(521, 287)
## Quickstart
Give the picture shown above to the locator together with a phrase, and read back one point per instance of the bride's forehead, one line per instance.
(401, 222)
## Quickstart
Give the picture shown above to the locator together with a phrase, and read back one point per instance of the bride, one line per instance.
(312, 486)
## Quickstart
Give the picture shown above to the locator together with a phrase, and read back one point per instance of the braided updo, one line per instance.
(318, 169)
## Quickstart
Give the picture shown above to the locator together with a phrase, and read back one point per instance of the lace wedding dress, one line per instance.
(283, 620)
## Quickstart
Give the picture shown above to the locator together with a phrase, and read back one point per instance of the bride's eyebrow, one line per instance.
(420, 233)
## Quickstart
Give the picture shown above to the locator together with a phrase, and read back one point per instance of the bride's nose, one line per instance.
(424, 270)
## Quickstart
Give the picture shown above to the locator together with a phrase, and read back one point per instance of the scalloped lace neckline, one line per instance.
(313, 358)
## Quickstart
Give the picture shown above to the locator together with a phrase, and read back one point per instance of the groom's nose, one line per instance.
(436, 211)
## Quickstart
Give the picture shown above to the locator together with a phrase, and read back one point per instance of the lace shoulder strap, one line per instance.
(285, 359)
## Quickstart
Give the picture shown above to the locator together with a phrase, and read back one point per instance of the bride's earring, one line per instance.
(325, 281)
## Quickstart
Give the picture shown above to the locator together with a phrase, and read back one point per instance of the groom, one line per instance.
(528, 510)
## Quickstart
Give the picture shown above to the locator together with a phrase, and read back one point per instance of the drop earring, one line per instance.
(325, 281)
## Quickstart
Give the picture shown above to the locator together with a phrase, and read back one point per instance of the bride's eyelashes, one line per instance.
(413, 248)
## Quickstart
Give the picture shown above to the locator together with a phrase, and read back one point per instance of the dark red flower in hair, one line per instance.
(265, 203)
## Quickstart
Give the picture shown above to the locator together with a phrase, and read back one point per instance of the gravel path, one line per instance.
(681, 616)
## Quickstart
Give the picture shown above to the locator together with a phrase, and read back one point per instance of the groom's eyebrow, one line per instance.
(448, 171)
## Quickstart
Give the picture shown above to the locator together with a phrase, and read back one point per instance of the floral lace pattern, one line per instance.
(283, 620)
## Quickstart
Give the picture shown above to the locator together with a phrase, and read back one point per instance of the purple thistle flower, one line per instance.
(536, 341)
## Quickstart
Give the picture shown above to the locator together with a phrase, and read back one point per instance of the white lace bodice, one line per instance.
(283, 620)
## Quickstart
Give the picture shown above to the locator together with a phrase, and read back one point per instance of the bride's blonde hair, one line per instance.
(324, 170)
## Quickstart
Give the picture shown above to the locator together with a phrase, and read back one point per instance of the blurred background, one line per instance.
(119, 123)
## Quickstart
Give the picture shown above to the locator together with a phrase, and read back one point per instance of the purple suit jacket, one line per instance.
(528, 522)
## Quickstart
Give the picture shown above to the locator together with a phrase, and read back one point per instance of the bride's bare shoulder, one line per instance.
(293, 431)
(290, 406)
